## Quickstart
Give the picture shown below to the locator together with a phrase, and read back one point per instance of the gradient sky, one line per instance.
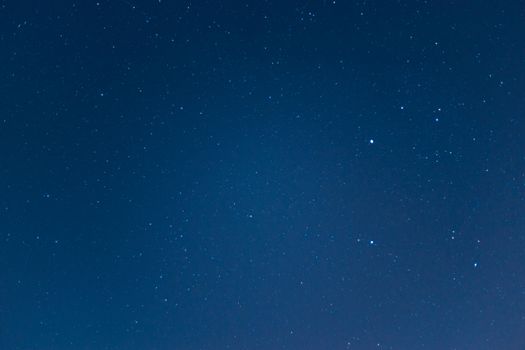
(262, 175)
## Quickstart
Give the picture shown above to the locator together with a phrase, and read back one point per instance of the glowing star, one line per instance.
(371, 141)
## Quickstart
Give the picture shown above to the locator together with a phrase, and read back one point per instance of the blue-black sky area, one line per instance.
(262, 175)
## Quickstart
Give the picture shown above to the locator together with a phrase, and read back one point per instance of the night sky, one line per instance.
(262, 175)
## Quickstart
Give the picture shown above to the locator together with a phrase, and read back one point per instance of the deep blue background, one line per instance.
(201, 175)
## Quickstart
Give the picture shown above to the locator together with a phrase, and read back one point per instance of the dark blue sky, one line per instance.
(262, 175)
